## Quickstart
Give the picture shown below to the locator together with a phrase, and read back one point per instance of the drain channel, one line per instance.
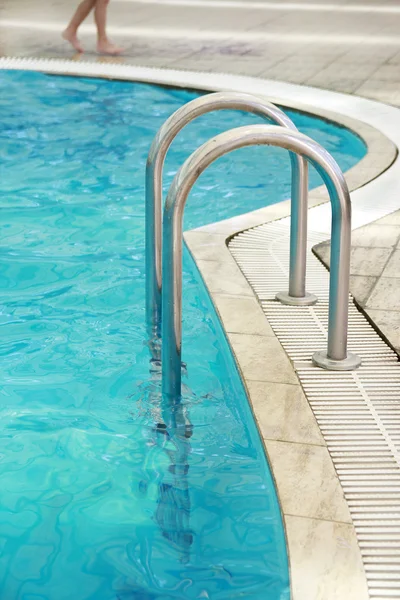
(358, 412)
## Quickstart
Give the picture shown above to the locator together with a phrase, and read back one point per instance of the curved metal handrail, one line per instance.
(336, 357)
(154, 167)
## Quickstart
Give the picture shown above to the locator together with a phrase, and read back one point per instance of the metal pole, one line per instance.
(336, 356)
(297, 295)
(154, 169)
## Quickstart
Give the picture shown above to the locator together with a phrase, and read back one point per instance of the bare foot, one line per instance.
(107, 47)
(73, 40)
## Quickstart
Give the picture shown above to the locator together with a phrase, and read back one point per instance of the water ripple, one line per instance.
(108, 491)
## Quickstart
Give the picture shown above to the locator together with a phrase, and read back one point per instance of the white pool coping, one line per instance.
(325, 561)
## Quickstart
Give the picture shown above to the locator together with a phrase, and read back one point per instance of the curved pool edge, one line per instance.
(321, 552)
(316, 566)
(381, 155)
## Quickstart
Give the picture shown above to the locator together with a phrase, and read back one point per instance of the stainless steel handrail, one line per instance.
(336, 357)
(154, 168)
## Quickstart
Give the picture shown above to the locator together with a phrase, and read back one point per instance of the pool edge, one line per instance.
(306, 536)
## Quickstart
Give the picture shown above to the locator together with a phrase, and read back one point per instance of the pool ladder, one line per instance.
(164, 236)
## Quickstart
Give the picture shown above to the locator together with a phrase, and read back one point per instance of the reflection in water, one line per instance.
(173, 511)
(172, 433)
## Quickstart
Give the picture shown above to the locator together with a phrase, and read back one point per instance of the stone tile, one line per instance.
(383, 91)
(361, 287)
(347, 85)
(387, 72)
(369, 261)
(347, 71)
(388, 322)
(353, 59)
(289, 72)
(380, 158)
(307, 483)
(325, 560)
(242, 315)
(364, 262)
(323, 251)
(207, 246)
(377, 236)
(229, 227)
(224, 278)
(283, 413)
(394, 59)
(307, 61)
(319, 194)
(392, 268)
(263, 215)
(248, 67)
(380, 150)
(392, 219)
(319, 52)
(262, 358)
(222, 65)
(386, 294)
(359, 176)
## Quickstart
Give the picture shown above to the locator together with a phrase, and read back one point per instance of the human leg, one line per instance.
(70, 34)
(104, 45)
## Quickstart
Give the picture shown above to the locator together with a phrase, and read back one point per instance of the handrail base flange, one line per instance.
(306, 300)
(350, 363)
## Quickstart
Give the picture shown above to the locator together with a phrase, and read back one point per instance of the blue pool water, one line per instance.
(106, 492)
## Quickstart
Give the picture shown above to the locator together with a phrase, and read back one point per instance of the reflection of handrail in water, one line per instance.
(173, 512)
(172, 428)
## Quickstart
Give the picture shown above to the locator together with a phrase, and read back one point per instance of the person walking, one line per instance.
(104, 45)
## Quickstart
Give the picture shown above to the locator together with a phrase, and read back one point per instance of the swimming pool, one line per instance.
(107, 493)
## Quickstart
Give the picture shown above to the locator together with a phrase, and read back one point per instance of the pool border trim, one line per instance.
(252, 337)
(208, 246)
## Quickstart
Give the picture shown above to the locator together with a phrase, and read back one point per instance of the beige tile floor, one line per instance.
(350, 46)
(375, 273)
(325, 559)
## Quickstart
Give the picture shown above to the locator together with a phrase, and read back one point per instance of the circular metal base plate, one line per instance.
(352, 362)
(307, 300)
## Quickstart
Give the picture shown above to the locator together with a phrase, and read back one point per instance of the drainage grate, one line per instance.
(358, 412)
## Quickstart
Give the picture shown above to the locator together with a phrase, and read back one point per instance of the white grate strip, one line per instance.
(262, 254)
(358, 412)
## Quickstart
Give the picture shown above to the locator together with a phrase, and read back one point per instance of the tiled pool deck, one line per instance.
(350, 46)
(342, 46)
(375, 273)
